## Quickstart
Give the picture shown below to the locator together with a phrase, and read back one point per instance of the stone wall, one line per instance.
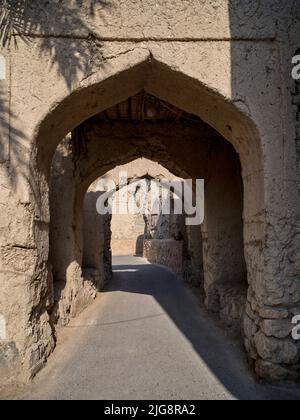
(183, 252)
(193, 261)
(167, 252)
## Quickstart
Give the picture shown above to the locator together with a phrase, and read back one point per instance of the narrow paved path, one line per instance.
(147, 337)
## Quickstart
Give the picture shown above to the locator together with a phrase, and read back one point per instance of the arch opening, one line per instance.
(154, 137)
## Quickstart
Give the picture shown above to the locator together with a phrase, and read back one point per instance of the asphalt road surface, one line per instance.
(147, 337)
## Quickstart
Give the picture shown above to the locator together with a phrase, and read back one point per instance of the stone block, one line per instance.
(275, 350)
(277, 328)
(270, 313)
(273, 372)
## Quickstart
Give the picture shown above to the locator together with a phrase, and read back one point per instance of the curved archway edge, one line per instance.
(141, 71)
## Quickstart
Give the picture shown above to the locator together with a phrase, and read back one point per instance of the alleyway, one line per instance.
(147, 338)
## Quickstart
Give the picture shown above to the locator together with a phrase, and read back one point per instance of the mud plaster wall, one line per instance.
(167, 252)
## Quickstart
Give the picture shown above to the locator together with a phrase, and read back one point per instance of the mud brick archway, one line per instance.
(199, 81)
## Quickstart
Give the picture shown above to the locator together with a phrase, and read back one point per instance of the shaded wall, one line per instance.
(96, 259)
(227, 65)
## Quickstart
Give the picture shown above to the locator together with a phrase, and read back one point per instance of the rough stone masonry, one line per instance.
(226, 65)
